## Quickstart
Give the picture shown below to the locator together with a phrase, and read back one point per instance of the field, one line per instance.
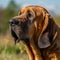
(10, 51)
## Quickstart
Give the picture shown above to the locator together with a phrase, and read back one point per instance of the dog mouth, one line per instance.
(15, 36)
(19, 36)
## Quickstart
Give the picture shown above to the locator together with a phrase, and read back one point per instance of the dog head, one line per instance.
(31, 21)
(23, 24)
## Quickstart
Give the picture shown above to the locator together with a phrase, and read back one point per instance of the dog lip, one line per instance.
(13, 33)
(12, 28)
(15, 36)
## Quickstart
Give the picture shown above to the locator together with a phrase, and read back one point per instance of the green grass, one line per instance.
(1, 49)
(12, 50)
(12, 53)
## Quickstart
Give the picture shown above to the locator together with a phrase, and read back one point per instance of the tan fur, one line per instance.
(42, 21)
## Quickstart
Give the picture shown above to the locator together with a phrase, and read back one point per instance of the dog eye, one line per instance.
(29, 14)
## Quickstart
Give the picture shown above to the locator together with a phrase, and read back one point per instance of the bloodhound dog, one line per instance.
(35, 27)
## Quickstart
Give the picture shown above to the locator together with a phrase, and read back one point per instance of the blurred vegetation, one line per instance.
(6, 14)
(9, 51)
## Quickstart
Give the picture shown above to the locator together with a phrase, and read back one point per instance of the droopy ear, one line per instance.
(48, 33)
(43, 42)
(51, 28)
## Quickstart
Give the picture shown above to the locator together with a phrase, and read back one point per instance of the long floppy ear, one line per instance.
(48, 33)
(51, 28)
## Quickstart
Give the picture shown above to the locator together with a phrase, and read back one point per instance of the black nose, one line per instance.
(12, 22)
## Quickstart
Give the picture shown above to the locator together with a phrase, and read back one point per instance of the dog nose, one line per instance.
(11, 22)
(14, 22)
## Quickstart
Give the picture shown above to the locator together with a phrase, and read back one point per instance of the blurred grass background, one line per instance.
(8, 50)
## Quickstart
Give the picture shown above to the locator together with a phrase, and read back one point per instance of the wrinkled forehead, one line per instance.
(25, 10)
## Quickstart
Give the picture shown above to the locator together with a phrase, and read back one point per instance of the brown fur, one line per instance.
(43, 22)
